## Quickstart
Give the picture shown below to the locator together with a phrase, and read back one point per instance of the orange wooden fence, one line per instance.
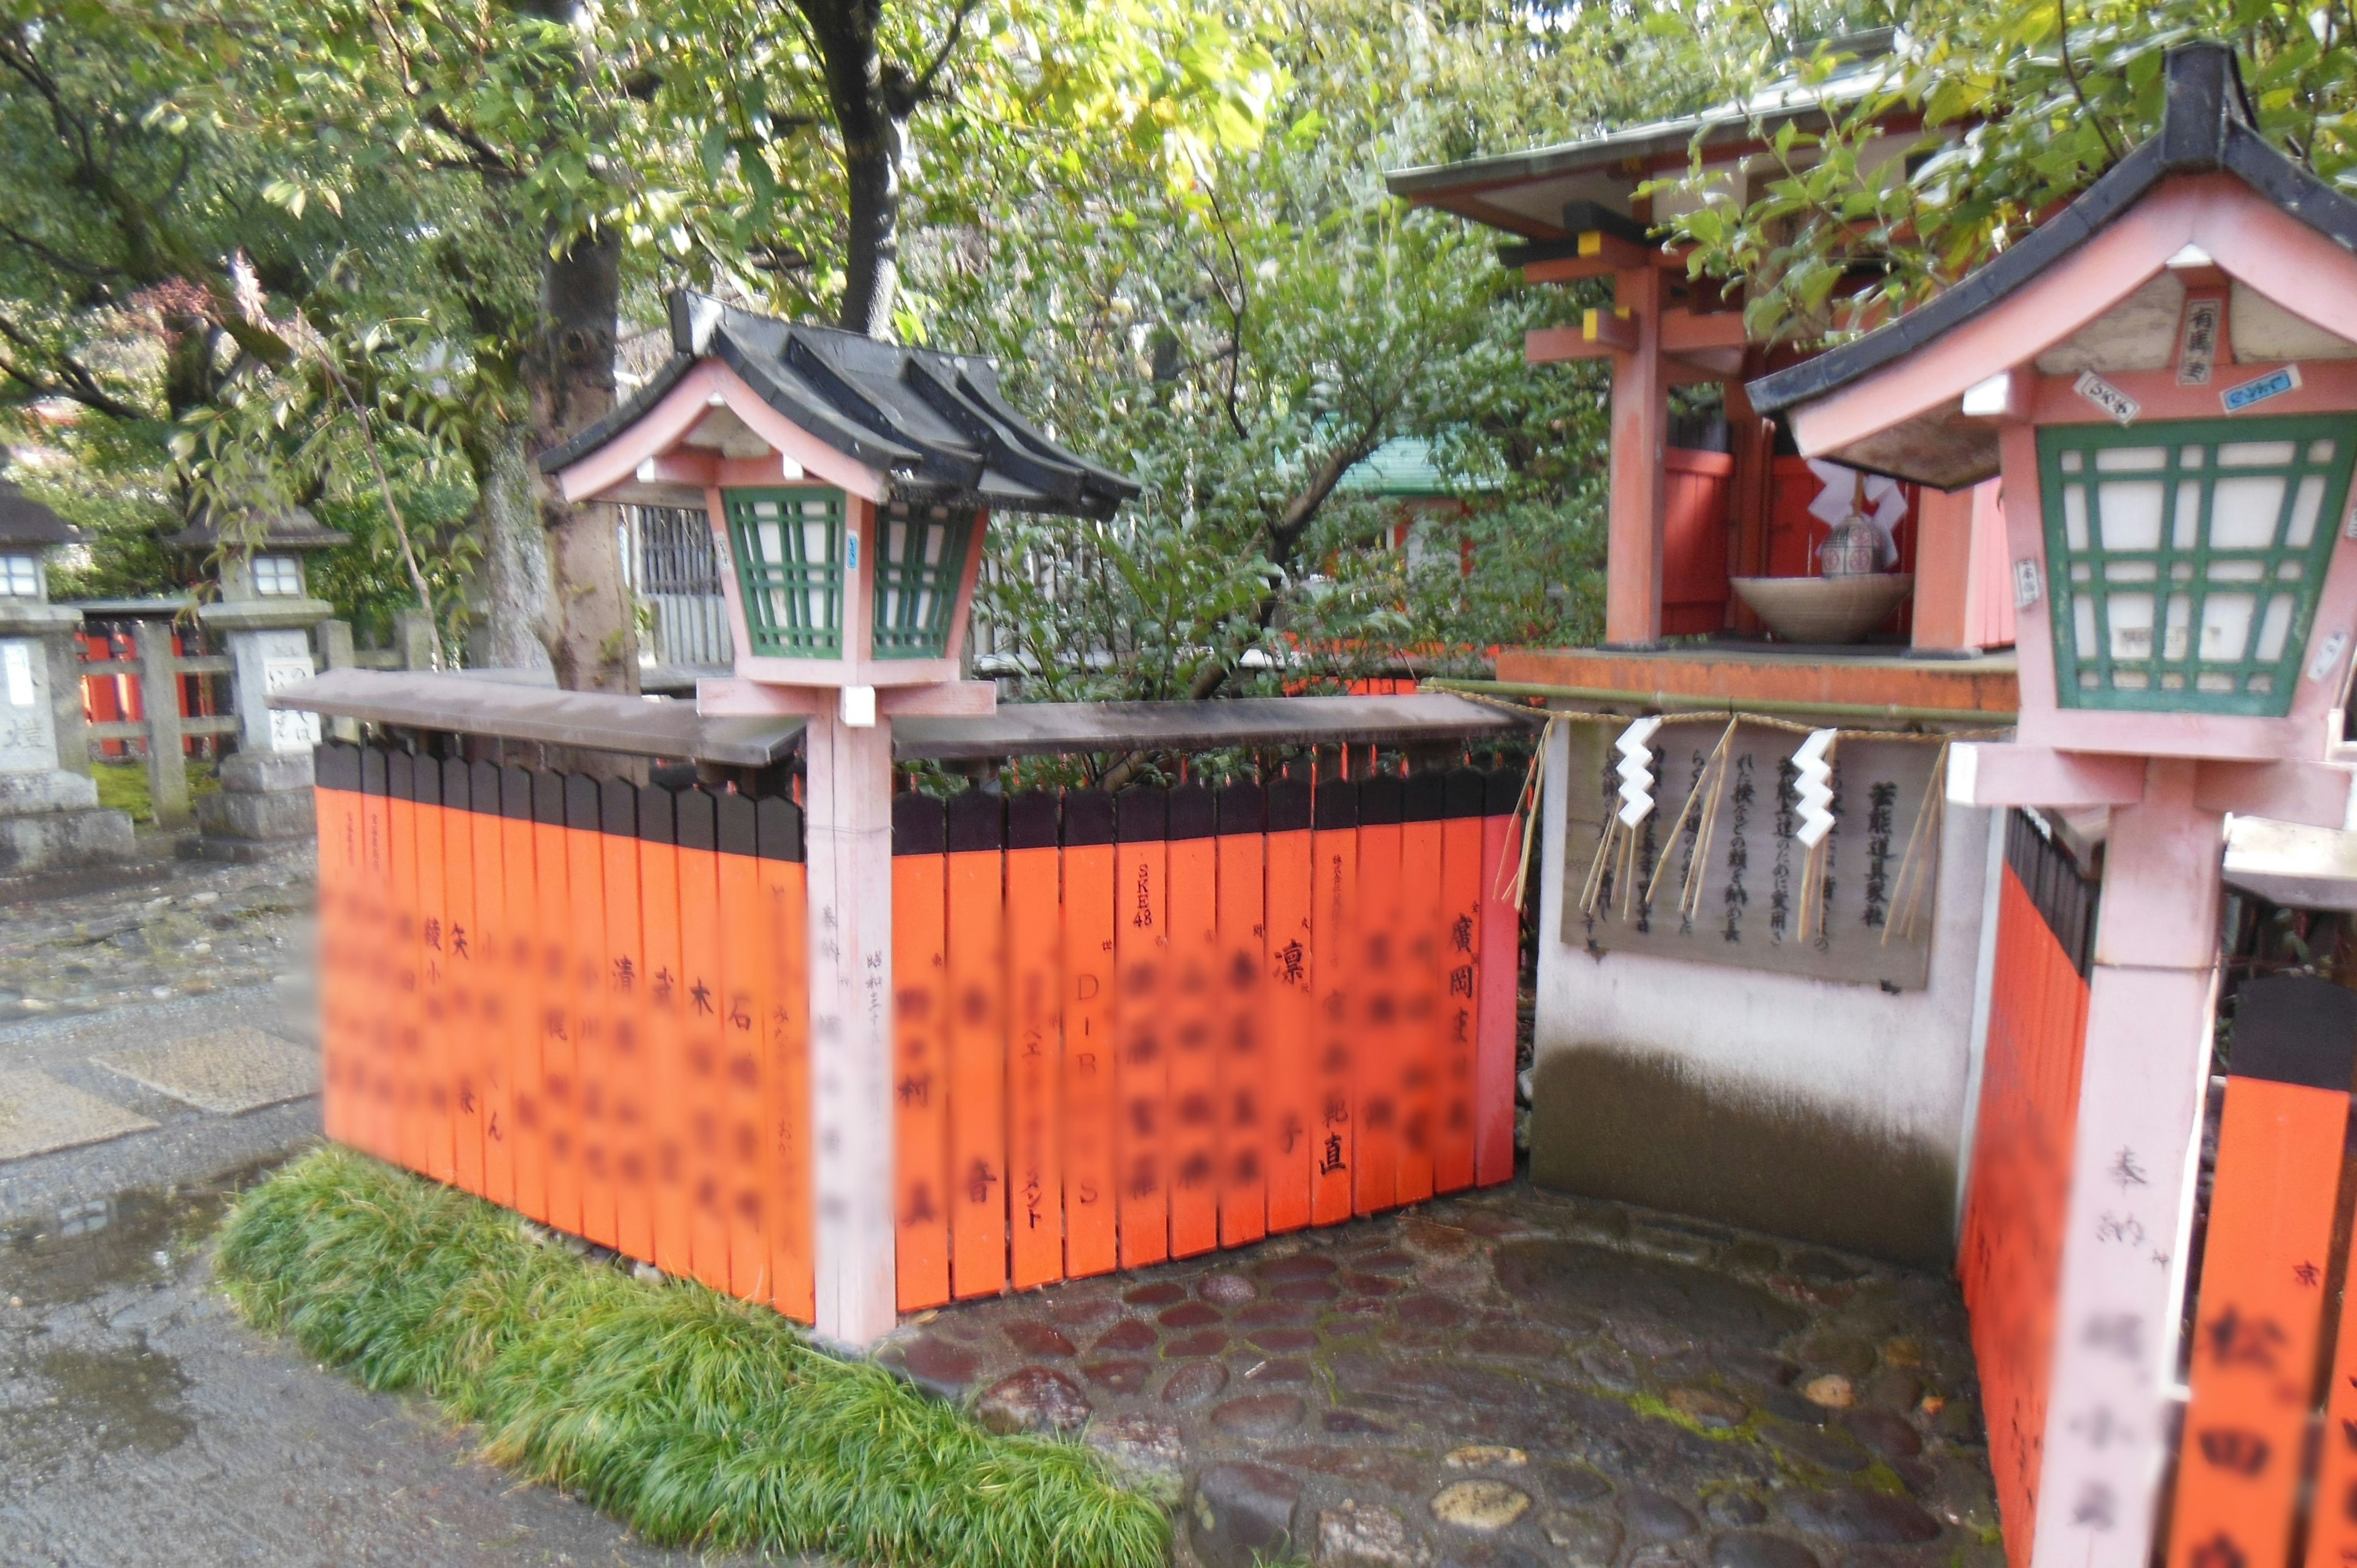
(2011, 1258)
(1126, 1028)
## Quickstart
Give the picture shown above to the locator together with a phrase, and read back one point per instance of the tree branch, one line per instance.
(922, 87)
(73, 380)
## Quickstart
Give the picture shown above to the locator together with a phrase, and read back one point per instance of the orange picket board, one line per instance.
(1141, 953)
(1193, 1107)
(1241, 1031)
(433, 1000)
(977, 983)
(527, 967)
(622, 981)
(381, 1004)
(460, 933)
(2261, 1309)
(1334, 984)
(1383, 957)
(401, 936)
(921, 1012)
(1423, 983)
(1034, 1035)
(745, 1088)
(669, 1199)
(785, 897)
(1460, 969)
(1091, 1175)
(702, 987)
(1289, 1008)
(337, 806)
(560, 1023)
(504, 1011)
(590, 1005)
(1500, 981)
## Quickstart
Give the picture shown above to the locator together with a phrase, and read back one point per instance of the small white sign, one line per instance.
(2327, 656)
(2196, 346)
(2107, 397)
(290, 730)
(2274, 383)
(2028, 585)
(18, 660)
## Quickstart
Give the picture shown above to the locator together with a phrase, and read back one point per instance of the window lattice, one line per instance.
(789, 546)
(918, 570)
(2184, 559)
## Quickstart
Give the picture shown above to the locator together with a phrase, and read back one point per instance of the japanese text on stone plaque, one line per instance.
(1750, 915)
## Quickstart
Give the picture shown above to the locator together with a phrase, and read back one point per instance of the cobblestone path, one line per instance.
(1508, 1378)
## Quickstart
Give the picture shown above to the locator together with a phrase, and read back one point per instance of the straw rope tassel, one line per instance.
(1706, 792)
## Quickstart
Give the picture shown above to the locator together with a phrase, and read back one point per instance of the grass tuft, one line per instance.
(698, 1419)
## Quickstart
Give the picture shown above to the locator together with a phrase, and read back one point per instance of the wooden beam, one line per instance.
(1683, 332)
(1600, 256)
(1640, 412)
(1613, 329)
(1556, 345)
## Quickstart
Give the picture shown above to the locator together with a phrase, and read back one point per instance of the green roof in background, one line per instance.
(1402, 467)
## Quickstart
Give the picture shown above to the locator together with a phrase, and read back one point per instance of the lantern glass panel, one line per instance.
(278, 577)
(920, 564)
(20, 577)
(2185, 558)
(790, 557)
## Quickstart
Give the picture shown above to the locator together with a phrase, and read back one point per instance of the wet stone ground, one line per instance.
(1508, 1378)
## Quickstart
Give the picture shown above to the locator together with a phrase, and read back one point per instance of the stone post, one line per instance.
(263, 808)
(49, 815)
(168, 759)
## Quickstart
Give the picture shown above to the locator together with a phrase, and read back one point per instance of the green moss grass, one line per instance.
(698, 1419)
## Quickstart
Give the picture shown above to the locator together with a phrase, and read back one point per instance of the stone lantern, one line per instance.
(265, 615)
(50, 814)
(2164, 375)
(848, 483)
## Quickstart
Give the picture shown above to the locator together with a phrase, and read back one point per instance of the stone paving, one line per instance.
(1508, 1378)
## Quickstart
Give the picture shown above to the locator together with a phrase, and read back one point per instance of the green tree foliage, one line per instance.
(2023, 104)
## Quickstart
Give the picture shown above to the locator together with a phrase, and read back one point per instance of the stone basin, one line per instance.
(1825, 609)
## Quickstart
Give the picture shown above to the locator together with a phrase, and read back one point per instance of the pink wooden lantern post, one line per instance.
(848, 483)
(2166, 376)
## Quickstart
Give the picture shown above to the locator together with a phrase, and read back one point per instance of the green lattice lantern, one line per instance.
(920, 564)
(791, 552)
(2184, 558)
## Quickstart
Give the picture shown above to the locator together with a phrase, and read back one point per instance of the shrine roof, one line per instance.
(2206, 128)
(23, 520)
(933, 423)
(292, 529)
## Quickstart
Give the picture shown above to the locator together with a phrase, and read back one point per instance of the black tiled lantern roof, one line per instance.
(26, 521)
(2205, 129)
(294, 529)
(932, 423)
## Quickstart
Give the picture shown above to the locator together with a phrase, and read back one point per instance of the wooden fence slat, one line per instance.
(1141, 920)
(1090, 1174)
(559, 1145)
(338, 805)
(1290, 1008)
(1460, 966)
(1422, 983)
(921, 1028)
(669, 1112)
(409, 1035)
(502, 1007)
(1246, 1092)
(1497, 1023)
(702, 990)
(977, 953)
(520, 1054)
(380, 1010)
(589, 1006)
(785, 893)
(1034, 1035)
(748, 994)
(622, 981)
(433, 999)
(2259, 1316)
(1334, 978)
(1381, 956)
(1193, 956)
(460, 932)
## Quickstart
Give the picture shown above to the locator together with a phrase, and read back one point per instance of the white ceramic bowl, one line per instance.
(1825, 609)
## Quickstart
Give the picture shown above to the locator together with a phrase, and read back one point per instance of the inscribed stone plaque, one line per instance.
(1749, 914)
(29, 735)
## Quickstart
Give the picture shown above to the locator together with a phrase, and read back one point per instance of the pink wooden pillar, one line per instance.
(2150, 1002)
(848, 813)
(1632, 568)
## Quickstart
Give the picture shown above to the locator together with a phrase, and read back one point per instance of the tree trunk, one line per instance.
(515, 618)
(568, 377)
(872, 102)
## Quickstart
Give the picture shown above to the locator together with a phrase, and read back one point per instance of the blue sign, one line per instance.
(2274, 383)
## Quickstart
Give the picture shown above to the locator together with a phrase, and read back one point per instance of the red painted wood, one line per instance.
(1422, 987)
(589, 1006)
(1289, 1008)
(785, 896)
(559, 1171)
(703, 988)
(433, 1055)
(1091, 1173)
(921, 1078)
(628, 1110)
(1034, 1042)
(748, 989)
(669, 1112)
(1336, 981)
(461, 937)
(1141, 953)
(1193, 1106)
(1695, 491)
(1495, 1024)
(977, 1079)
(1460, 967)
(1247, 1066)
